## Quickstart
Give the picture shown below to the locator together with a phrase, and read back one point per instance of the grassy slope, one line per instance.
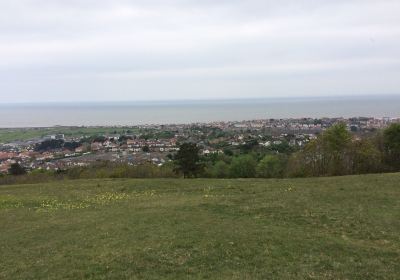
(320, 228)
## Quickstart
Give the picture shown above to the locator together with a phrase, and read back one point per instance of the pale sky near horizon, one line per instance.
(99, 50)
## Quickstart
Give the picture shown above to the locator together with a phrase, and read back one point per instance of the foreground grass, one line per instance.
(320, 228)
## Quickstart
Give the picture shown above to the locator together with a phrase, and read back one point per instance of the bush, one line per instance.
(243, 167)
(271, 166)
(220, 170)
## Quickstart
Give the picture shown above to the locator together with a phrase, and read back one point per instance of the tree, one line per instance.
(71, 145)
(220, 169)
(271, 166)
(391, 141)
(329, 154)
(49, 145)
(366, 158)
(228, 152)
(187, 160)
(249, 146)
(336, 143)
(336, 138)
(16, 169)
(243, 167)
(146, 149)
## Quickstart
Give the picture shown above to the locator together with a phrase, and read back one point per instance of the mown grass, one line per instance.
(317, 228)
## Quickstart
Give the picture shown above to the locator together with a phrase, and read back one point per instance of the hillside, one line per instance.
(317, 228)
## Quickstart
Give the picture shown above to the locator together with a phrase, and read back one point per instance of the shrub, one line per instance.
(243, 167)
(271, 166)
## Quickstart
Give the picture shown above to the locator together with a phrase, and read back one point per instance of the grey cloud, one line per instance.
(157, 49)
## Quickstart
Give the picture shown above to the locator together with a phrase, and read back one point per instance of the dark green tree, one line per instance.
(71, 145)
(146, 149)
(49, 145)
(228, 152)
(243, 167)
(16, 169)
(249, 146)
(391, 140)
(187, 160)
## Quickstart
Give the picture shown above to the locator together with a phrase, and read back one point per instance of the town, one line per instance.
(157, 144)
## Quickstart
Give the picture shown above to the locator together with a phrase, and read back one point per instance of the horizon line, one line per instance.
(183, 100)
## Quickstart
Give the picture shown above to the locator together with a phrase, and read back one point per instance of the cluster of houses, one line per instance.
(132, 145)
(131, 150)
(135, 149)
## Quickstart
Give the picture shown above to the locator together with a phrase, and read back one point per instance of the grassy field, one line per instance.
(319, 228)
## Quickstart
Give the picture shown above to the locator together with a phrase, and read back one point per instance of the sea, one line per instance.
(193, 111)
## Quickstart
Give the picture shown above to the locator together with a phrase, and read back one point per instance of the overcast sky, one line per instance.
(98, 50)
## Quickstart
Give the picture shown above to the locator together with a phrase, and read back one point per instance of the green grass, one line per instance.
(318, 228)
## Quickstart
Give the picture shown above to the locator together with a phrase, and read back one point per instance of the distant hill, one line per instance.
(314, 228)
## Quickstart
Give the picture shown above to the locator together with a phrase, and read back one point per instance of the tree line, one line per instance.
(335, 152)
